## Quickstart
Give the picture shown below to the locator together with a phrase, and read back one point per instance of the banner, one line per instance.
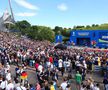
(103, 37)
(58, 38)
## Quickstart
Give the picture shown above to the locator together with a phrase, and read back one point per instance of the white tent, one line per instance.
(5, 19)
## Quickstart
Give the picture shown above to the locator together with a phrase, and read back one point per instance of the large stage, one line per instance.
(90, 38)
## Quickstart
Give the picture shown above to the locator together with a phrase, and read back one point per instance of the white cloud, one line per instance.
(62, 7)
(26, 14)
(26, 4)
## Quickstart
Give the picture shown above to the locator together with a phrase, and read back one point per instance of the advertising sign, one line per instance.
(103, 37)
(58, 38)
(83, 33)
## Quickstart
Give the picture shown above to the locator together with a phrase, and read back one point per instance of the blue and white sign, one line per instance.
(83, 33)
(103, 37)
(58, 38)
(73, 33)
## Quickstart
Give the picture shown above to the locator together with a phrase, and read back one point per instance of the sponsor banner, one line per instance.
(58, 38)
(103, 37)
(83, 33)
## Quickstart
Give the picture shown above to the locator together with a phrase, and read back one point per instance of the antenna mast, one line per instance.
(11, 9)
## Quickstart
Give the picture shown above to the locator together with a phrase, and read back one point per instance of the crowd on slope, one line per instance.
(55, 68)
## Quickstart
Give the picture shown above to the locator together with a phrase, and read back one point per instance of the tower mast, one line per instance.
(11, 9)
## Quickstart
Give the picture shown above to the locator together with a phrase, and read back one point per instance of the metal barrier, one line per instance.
(97, 68)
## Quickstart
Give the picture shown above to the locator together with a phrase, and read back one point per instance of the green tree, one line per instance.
(88, 27)
(33, 32)
(58, 30)
(46, 33)
(23, 26)
(93, 25)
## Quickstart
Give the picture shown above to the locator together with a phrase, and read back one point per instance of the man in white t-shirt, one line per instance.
(40, 68)
(7, 68)
(85, 65)
(18, 53)
(60, 63)
(48, 64)
(77, 57)
(8, 75)
(3, 84)
(96, 87)
(21, 88)
(64, 84)
(10, 85)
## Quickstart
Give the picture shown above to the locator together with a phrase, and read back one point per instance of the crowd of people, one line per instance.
(55, 69)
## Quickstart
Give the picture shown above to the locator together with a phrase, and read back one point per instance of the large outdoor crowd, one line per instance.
(55, 69)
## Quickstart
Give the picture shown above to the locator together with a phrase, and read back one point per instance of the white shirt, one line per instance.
(82, 88)
(96, 88)
(68, 64)
(42, 52)
(18, 71)
(21, 70)
(64, 63)
(21, 88)
(8, 66)
(16, 85)
(3, 84)
(8, 76)
(60, 63)
(40, 68)
(64, 85)
(91, 86)
(6, 69)
(77, 57)
(52, 66)
(76, 62)
(48, 64)
(24, 57)
(18, 54)
(10, 86)
(85, 65)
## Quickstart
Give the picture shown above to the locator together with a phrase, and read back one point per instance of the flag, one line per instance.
(24, 75)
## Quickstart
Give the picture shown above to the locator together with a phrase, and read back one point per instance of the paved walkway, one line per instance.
(33, 79)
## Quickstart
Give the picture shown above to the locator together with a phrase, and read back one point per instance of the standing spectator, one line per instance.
(21, 87)
(8, 75)
(38, 87)
(46, 85)
(83, 87)
(51, 59)
(3, 84)
(60, 65)
(96, 87)
(90, 83)
(32, 88)
(10, 85)
(78, 79)
(105, 82)
(64, 84)
(36, 66)
(68, 87)
(52, 86)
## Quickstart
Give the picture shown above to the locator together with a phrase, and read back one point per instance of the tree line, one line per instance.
(92, 27)
(37, 32)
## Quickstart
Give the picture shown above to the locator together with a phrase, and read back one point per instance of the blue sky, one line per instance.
(65, 13)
